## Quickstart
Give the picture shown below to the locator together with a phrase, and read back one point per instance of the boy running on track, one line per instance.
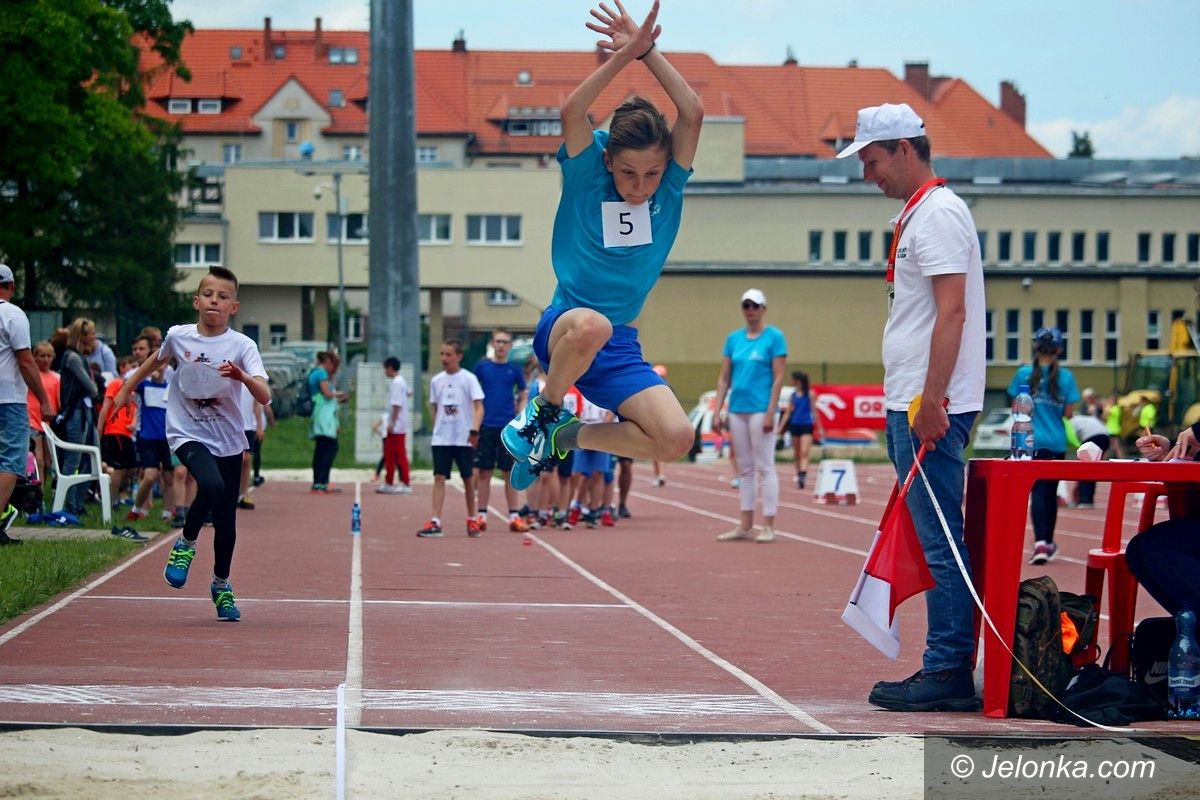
(617, 219)
(204, 423)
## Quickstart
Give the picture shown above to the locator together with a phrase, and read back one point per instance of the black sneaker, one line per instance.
(259, 480)
(623, 513)
(130, 534)
(179, 519)
(948, 690)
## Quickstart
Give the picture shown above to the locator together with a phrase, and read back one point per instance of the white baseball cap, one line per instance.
(884, 123)
(755, 296)
(6, 275)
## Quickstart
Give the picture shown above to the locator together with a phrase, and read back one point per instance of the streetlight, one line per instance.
(341, 234)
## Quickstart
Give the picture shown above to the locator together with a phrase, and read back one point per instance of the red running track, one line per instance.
(651, 626)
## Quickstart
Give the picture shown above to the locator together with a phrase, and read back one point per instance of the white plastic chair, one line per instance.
(65, 482)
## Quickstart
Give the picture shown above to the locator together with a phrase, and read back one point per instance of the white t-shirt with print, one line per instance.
(398, 395)
(938, 239)
(202, 406)
(452, 398)
(14, 336)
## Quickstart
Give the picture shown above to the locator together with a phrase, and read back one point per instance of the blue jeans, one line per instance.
(950, 639)
(79, 431)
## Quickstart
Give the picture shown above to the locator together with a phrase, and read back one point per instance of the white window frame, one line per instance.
(502, 297)
(427, 153)
(337, 55)
(352, 152)
(275, 239)
(330, 222)
(505, 240)
(179, 105)
(234, 149)
(198, 255)
(354, 326)
(349, 55)
(428, 224)
(208, 106)
(278, 333)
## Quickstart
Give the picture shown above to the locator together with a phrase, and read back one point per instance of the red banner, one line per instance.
(845, 406)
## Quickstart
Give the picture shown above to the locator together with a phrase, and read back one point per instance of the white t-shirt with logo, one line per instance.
(203, 406)
(14, 336)
(938, 239)
(398, 395)
(452, 398)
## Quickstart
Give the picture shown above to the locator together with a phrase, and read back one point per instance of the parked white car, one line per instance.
(994, 431)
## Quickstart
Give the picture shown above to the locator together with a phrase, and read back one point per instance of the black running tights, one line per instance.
(218, 479)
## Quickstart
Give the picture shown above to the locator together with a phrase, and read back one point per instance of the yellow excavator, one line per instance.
(1169, 379)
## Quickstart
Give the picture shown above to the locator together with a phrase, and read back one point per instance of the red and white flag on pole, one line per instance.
(895, 571)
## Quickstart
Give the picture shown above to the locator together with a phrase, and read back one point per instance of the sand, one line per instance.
(280, 764)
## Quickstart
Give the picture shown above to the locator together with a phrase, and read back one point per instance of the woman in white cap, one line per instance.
(752, 370)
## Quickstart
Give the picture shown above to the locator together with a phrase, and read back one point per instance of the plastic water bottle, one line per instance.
(1183, 669)
(1022, 425)
(356, 519)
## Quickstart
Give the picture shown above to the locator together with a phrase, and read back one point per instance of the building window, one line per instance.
(278, 335)
(235, 54)
(982, 246)
(352, 152)
(1102, 247)
(1029, 247)
(1037, 319)
(251, 330)
(493, 229)
(864, 247)
(1062, 321)
(353, 225)
(1153, 329)
(502, 297)
(337, 98)
(231, 153)
(1168, 248)
(1112, 334)
(887, 244)
(814, 246)
(354, 326)
(279, 52)
(197, 255)
(1012, 335)
(1078, 241)
(291, 131)
(427, 154)
(839, 247)
(989, 333)
(1143, 248)
(178, 105)
(1193, 248)
(343, 55)
(1054, 247)
(1087, 335)
(1004, 256)
(208, 106)
(285, 226)
(433, 228)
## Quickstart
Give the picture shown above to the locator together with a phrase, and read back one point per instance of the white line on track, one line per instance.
(354, 644)
(315, 601)
(61, 604)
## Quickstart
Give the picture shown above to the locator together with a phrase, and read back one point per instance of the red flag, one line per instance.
(895, 570)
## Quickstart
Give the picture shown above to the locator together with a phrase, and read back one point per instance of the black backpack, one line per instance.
(1038, 644)
(1105, 697)
(1149, 650)
(304, 400)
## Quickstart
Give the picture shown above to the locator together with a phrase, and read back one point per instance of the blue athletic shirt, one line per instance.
(500, 383)
(314, 379)
(1048, 430)
(801, 410)
(614, 280)
(752, 368)
(152, 417)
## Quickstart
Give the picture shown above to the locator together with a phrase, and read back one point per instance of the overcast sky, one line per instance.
(1127, 71)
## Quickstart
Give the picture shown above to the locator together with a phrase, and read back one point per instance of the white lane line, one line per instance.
(758, 686)
(430, 603)
(61, 604)
(354, 644)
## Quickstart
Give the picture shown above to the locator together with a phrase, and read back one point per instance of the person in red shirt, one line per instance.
(116, 431)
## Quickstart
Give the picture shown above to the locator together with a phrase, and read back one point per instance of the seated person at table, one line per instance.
(1165, 558)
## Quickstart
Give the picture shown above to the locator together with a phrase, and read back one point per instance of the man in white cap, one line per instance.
(18, 370)
(933, 348)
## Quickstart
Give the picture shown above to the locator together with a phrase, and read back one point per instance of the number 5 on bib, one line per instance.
(626, 225)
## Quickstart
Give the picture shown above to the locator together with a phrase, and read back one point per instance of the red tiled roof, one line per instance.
(788, 109)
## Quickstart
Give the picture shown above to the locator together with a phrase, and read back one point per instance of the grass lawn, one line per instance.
(287, 446)
(35, 571)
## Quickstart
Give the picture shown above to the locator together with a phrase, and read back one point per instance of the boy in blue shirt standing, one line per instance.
(504, 394)
(619, 213)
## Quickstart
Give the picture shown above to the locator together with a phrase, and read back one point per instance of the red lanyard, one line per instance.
(912, 203)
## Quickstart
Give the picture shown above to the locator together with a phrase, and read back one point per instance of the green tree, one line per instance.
(88, 184)
(1081, 145)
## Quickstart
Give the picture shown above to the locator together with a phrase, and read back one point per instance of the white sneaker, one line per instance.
(403, 488)
(392, 488)
(735, 482)
(658, 481)
(383, 488)
(767, 535)
(736, 533)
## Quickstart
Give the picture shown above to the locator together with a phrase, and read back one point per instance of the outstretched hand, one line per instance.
(622, 31)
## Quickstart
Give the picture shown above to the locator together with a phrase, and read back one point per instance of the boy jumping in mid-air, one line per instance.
(204, 423)
(619, 213)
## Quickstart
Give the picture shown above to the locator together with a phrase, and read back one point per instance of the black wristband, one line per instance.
(648, 51)
(474, 432)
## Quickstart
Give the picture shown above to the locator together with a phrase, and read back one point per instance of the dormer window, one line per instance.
(279, 52)
(524, 78)
(208, 106)
(235, 54)
(343, 55)
(177, 105)
(337, 98)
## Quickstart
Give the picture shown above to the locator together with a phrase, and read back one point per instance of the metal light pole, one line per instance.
(341, 231)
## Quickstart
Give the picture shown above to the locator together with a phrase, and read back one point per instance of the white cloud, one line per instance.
(1170, 129)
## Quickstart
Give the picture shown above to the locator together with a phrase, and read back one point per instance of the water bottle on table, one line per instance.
(1022, 425)
(1183, 670)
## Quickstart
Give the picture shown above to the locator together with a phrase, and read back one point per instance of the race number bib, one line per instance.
(199, 381)
(626, 225)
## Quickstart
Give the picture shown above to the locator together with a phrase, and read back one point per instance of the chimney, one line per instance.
(459, 45)
(916, 75)
(318, 31)
(1012, 102)
(267, 50)
(790, 59)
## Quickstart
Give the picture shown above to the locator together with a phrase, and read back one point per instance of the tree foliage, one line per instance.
(88, 185)
(1081, 145)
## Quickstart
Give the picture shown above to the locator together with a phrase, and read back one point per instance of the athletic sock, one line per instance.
(567, 437)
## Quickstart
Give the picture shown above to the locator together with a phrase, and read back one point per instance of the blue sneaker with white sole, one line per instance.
(226, 603)
(179, 562)
(539, 418)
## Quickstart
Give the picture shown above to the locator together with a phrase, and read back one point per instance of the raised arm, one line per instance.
(626, 47)
(620, 28)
